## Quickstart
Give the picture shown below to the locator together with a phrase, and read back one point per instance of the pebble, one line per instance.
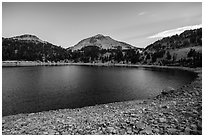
(140, 126)
(147, 130)
(23, 123)
(174, 102)
(129, 130)
(122, 131)
(197, 93)
(162, 120)
(45, 133)
(194, 127)
(156, 130)
(172, 130)
(181, 133)
(106, 106)
(3, 121)
(65, 133)
(153, 104)
(164, 106)
(52, 132)
(134, 115)
(187, 131)
(199, 125)
(111, 130)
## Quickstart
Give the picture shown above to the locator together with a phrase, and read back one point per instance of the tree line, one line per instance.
(157, 53)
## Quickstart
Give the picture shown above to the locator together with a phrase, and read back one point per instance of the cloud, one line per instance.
(171, 32)
(141, 13)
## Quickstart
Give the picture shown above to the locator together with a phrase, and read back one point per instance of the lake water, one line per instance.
(34, 89)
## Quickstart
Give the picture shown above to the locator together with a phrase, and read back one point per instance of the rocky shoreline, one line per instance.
(176, 112)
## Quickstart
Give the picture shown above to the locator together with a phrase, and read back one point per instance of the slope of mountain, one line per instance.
(188, 38)
(31, 48)
(175, 49)
(184, 49)
(103, 42)
(27, 37)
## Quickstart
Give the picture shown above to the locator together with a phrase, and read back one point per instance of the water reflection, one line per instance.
(32, 89)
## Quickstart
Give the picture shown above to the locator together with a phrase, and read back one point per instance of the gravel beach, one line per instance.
(176, 112)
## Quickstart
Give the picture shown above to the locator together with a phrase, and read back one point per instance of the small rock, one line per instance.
(131, 110)
(164, 106)
(172, 130)
(199, 125)
(134, 115)
(31, 114)
(23, 123)
(155, 122)
(65, 133)
(187, 131)
(99, 133)
(197, 93)
(45, 133)
(167, 90)
(122, 131)
(146, 109)
(153, 104)
(111, 130)
(123, 125)
(156, 130)
(194, 127)
(181, 133)
(140, 126)
(174, 102)
(106, 106)
(162, 120)
(175, 120)
(194, 132)
(134, 118)
(51, 132)
(88, 127)
(129, 130)
(195, 111)
(147, 130)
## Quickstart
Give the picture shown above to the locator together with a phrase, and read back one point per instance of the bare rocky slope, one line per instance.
(101, 41)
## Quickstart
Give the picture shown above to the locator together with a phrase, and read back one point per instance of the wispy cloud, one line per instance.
(171, 32)
(141, 13)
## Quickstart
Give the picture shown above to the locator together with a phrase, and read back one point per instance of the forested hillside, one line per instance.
(184, 49)
(30, 50)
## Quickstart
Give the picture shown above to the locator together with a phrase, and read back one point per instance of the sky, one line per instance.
(65, 24)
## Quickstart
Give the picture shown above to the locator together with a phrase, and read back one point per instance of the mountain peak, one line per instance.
(99, 35)
(101, 41)
(28, 37)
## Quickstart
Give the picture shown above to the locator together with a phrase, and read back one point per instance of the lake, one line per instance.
(41, 88)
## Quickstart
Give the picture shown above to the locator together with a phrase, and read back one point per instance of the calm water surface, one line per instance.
(33, 89)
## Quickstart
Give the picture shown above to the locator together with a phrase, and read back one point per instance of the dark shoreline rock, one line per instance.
(174, 113)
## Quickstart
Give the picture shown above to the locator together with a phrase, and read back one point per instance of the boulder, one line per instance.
(167, 90)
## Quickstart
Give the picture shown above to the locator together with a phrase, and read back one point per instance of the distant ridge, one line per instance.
(28, 37)
(184, 49)
(187, 38)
